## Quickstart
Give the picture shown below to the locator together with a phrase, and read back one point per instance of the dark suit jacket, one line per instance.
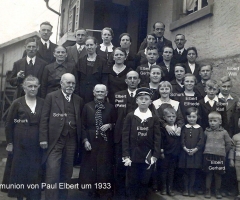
(130, 61)
(52, 124)
(87, 82)
(176, 88)
(103, 54)
(179, 58)
(21, 64)
(199, 89)
(168, 75)
(73, 55)
(121, 106)
(205, 109)
(43, 54)
(196, 71)
(50, 83)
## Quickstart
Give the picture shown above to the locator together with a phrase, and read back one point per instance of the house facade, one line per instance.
(212, 26)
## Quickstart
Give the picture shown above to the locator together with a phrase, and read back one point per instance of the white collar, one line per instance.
(191, 65)
(33, 59)
(157, 103)
(181, 50)
(206, 99)
(134, 92)
(222, 97)
(194, 126)
(70, 95)
(80, 46)
(48, 42)
(109, 48)
(143, 116)
(149, 64)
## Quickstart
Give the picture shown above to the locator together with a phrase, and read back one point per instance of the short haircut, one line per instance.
(194, 49)
(30, 78)
(191, 110)
(157, 67)
(167, 47)
(165, 84)
(100, 85)
(108, 29)
(169, 110)
(81, 29)
(152, 34)
(91, 38)
(46, 23)
(152, 48)
(30, 40)
(214, 114)
(225, 79)
(60, 46)
(212, 83)
(204, 65)
(120, 49)
(190, 75)
(125, 34)
(180, 34)
(158, 22)
(180, 65)
(131, 72)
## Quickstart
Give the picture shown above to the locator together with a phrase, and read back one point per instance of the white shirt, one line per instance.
(211, 102)
(80, 47)
(222, 97)
(181, 50)
(109, 48)
(70, 95)
(149, 64)
(33, 60)
(192, 67)
(134, 92)
(48, 43)
(141, 115)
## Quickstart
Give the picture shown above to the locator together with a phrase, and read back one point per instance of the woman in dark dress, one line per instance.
(141, 55)
(92, 70)
(106, 48)
(97, 136)
(23, 141)
(177, 83)
(117, 76)
(53, 72)
(191, 66)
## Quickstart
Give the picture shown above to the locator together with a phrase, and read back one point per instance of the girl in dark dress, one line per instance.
(92, 70)
(23, 141)
(117, 74)
(190, 159)
(106, 48)
(188, 98)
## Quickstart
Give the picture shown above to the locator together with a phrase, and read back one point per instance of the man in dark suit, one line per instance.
(205, 71)
(180, 53)
(46, 47)
(158, 29)
(29, 65)
(124, 103)
(60, 128)
(78, 50)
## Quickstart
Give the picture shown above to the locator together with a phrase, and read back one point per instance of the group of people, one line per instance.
(132, 121)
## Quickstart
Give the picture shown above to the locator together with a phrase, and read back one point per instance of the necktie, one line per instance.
(45, 45)
(131, 94)
(30, 63)
(67, 97)
(79, 49)
(180, 53)
(106, 51)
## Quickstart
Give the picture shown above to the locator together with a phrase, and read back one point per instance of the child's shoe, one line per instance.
(218, 194)
(170, 191)
(208, 194)
(191, 192)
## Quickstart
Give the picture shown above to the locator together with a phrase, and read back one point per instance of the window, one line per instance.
(191, 11)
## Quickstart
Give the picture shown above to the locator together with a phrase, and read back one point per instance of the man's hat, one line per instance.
(144, 91)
